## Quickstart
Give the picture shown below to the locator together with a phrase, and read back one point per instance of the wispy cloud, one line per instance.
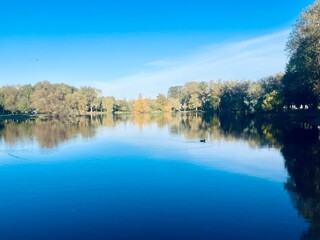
(161, 63)
(249, 59)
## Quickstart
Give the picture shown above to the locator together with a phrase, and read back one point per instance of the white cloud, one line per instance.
(249, 59)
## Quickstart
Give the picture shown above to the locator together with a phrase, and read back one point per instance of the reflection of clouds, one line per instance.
(239, 157)
(224, 61)
(234, 156)
(233, 145)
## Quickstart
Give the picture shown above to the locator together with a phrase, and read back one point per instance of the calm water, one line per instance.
(149, 177)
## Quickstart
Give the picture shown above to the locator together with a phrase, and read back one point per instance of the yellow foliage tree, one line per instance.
(141, 105)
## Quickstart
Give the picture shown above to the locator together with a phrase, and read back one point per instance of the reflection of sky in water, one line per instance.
(131, 182)
(233, 156)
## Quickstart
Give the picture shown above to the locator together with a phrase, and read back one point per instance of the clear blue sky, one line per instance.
(116, 45)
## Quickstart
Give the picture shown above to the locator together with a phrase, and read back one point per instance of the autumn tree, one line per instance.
(107, 104)
(51, 98)
(163, 104)
(141, 106)
(10, 96)
(87, 97)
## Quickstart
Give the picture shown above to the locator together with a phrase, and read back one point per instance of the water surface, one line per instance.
(149, 177)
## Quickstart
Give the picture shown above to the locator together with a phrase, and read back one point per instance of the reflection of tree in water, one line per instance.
(49, 133)
(14, 132)
(109, 121)
(299, 144)
(257, 133)
(163, 119)
(191, 127)
(301, 150)
(142, 120)
(87, 126)
(121, 118)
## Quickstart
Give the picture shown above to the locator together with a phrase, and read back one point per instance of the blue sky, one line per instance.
(131, 47)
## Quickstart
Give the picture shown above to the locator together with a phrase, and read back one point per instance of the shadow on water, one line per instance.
(298, 143)
(301, 151)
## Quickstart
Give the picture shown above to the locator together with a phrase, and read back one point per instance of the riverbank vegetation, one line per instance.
(297, 88)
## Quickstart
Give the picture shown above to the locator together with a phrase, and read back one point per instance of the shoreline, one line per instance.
(304, 116)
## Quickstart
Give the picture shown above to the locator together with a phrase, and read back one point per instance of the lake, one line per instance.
(150, 177)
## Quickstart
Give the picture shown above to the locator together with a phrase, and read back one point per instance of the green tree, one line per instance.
(195, 102)
(122, 106)
(1, 102)
(235, 96)
(204, 93)
(272, 101)
(302, 77)
(175, 92)
(175, 104)
(214, 98)
(24, 104)
(253, 93)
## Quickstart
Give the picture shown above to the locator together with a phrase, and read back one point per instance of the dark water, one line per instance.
(149, 177)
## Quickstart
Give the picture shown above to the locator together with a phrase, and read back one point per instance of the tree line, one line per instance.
(298, 87)
(64, 100)
(51, 99)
